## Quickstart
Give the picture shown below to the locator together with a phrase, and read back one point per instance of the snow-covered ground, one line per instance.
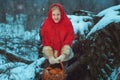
(14, 39)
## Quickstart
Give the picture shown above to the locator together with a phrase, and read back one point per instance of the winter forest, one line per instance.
(97, 45)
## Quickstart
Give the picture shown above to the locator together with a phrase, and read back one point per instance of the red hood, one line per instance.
(63, 14)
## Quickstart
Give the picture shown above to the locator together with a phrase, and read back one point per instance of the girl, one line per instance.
(57, 35)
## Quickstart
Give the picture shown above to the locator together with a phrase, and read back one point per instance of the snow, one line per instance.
(14, 36)
(20, 71)
(108, 16)
(27, 71)
(3, 59)
(13, 33)
(114, 74)
(79, 24)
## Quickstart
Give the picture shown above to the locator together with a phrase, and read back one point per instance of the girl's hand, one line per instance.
(61, 58)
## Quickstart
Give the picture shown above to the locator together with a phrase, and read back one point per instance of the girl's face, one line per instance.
(56, 15)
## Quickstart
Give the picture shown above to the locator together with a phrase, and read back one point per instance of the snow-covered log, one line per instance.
(10, 65)
(19, 71)
(14, 57)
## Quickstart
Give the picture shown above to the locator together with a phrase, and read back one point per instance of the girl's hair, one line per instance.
(55, 7)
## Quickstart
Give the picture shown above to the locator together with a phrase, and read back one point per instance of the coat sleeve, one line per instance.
(44, 36)
(70, 35)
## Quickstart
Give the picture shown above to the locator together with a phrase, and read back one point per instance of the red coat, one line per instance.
(59, 34)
